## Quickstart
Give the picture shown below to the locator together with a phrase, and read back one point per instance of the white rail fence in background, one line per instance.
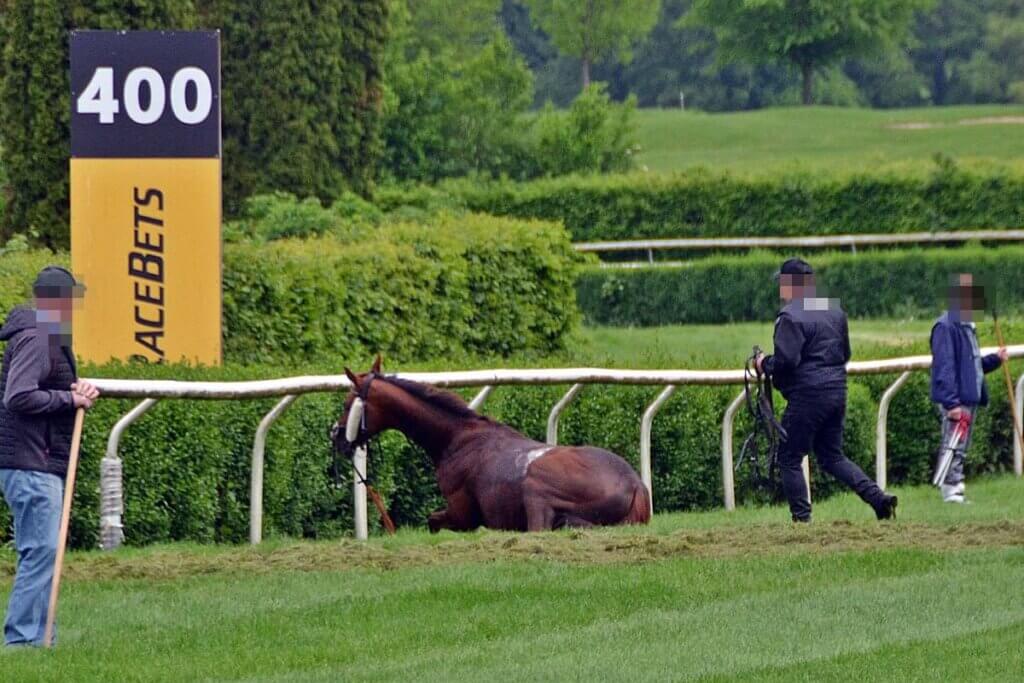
(814, 242)
(288, 390)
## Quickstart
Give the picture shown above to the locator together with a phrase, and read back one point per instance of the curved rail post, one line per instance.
(359, 516)
(481, 396)
(111, 480)
(1018, 457)
(557, 410)
(728, 483)
(646, 424)
(259, 444)
(882, 428)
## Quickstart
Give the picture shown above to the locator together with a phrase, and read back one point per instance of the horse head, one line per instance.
(356, 426)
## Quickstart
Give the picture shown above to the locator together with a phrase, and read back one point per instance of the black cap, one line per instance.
(54, 282)
(794, 266)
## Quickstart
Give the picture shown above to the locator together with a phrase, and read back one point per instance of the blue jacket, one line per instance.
(954, 381)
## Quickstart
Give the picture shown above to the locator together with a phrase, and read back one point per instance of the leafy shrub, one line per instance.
(281, 215)
(473, 284)
(701, 203)
(731, 288)
(592, 136)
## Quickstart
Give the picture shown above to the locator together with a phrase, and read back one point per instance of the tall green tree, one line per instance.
(809, 34)
(593, 30)
(302, 95)
(947, 34)
(35, 99)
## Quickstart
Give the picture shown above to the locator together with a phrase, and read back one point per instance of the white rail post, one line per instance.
(259, 444)
(552, 436)
(728, 484)
(481, 396)
(359, 516)
(882, 429)
(112, 480)
(806, 467)
(1018, 457)
(646, 424)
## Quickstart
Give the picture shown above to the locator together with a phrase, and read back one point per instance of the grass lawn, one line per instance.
(724, 596)
(826, 137)
(700, 346)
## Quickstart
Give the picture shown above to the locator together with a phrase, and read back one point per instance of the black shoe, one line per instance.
(801, 520)
(887, 509)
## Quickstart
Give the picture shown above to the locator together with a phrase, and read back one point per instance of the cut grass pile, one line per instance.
(730, 596)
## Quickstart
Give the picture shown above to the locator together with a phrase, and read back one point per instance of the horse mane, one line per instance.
(439, 398)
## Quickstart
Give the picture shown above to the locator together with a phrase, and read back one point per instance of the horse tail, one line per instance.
(640, 507)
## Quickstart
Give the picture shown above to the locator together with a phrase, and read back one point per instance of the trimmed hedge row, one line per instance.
(186, 463)
(722, 289)
(473, 284)
(702, 203)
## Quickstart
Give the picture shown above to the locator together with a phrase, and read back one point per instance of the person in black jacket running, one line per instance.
(812, 347)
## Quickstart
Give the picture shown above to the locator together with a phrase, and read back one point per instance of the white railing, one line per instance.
(810, 242)
(288, 390)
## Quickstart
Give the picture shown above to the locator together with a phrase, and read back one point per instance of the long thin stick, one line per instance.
(65, 518)
(1009, 384)
(385, 518)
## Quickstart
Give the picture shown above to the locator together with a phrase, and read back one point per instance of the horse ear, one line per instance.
(376, 365)
(352, 378)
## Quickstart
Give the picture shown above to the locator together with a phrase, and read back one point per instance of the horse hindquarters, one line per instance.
(580, 487)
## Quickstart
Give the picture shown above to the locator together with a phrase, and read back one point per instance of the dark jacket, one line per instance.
(954, 378)
(36, 409)
(812, 348)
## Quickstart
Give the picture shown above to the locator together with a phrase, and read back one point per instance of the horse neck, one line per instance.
(428, 426)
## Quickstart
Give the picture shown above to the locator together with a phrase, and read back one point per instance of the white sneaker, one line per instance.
(952, 494)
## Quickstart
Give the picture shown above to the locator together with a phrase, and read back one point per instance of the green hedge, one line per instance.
(733, 288)
(473, 284)
(701, 203)
(186, 463)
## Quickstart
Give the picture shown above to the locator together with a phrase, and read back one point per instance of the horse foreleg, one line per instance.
(458, 516)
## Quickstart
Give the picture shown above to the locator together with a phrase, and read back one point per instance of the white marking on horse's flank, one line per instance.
(536, 453)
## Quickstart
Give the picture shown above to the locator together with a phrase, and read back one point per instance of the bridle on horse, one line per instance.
(757, 391)
(358, 436)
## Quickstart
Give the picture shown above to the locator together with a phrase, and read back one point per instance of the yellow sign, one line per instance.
(146, 195)
(145, 240)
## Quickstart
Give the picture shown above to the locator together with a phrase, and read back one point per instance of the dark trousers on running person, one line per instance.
(814, 422)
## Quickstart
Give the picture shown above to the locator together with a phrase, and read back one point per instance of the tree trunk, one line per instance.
(808, 75)
(939, 81)
(585, 72)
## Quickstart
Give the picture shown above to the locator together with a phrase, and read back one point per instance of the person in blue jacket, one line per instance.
(958, 373)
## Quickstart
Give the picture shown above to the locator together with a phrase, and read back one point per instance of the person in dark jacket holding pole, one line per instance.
(39, 391)
(958, 374)
(812, 347)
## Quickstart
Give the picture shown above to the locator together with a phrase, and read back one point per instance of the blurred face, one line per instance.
(796, 287)
(54, 313)
(966, 298)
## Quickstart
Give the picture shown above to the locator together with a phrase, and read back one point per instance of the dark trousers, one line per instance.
(814, 421)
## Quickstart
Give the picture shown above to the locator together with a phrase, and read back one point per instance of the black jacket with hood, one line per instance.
(36, 409)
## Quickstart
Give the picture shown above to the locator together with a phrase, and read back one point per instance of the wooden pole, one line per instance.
(1009, 383)
(65, 518)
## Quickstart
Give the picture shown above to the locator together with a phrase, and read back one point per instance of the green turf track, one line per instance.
(826, 138)
(741, 596)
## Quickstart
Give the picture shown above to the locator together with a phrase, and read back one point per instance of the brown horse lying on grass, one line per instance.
(490, 474)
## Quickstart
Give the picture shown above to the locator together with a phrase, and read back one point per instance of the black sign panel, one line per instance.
(145, 94)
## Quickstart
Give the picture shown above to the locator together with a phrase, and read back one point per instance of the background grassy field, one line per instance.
(825, 137)
(725, 596)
